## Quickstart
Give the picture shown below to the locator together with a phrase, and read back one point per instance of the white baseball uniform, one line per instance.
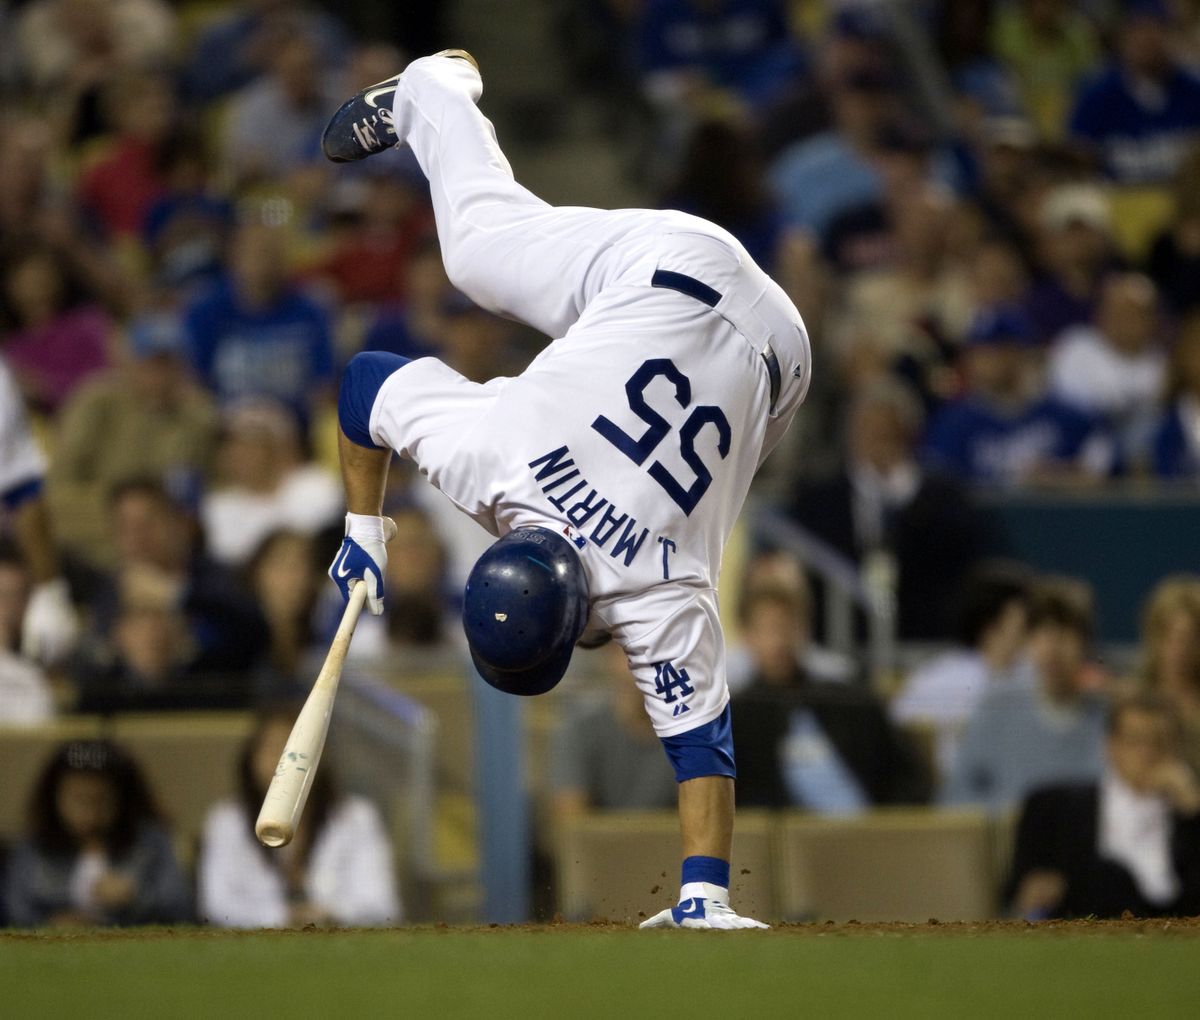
(21, 462)
(635, 433)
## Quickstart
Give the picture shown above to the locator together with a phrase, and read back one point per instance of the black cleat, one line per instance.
(363, 125)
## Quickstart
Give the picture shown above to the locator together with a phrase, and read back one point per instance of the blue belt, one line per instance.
(693, 288)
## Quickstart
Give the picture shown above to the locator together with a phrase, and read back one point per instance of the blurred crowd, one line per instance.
(988, 212)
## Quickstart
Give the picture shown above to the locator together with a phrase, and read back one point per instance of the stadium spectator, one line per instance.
(776, 569)
(1170, 649)
(942, 693)
(805, 742)
(257, 335)
(1174, 262)
(158, 554)
(998, 274)
(1000, 168)
(413, 327)
(25, 694)
(56, 334)
(145, 664)
(854, 39)
(883, 499)
(67, 46)
(337, 870)
(834, 172)
(236, 48)
(185, 230)
(962, 35)
(35, 209)
(283, 575)
(688, 48)
(70, 51)
(122, 182)
(1005, 431)
(476, 343)
(1140, 116)
(421, 614)
(604, 754)
(96, 851)
(144, 417)
(1022, 736)
(378, 220)
(294, 98)
(1129, 842)
(1048, 47)
(721, 179)
(1074, 253)
(914, 305)
(264, 484)
(1115, 368)
(1177, 436)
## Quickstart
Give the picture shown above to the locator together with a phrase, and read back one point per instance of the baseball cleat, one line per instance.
(363, 125)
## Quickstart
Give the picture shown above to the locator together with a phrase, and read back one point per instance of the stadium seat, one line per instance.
(888, 865)
(624, 865)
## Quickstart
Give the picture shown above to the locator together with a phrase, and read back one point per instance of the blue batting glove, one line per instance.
(363, 557)
(701, 905)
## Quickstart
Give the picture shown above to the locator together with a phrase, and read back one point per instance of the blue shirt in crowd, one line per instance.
(1175, 455)
(282, 351)
(744, 45)
(819, 178)
(1141, 131)
(980, 443)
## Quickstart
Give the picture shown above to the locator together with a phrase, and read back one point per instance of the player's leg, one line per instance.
(505, 248)
(502, 245)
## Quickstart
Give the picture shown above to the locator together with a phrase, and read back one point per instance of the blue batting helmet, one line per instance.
(526, 605)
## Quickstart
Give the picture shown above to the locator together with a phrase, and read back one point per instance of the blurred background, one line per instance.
(963, 604)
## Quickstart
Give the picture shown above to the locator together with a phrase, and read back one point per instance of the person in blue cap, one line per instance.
(1005, 430)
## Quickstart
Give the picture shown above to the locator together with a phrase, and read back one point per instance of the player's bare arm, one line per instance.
(364, 475)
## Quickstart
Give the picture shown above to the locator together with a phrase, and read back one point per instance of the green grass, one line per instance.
(601, 972)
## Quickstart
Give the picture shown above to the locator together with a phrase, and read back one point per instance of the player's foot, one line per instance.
(363, 125)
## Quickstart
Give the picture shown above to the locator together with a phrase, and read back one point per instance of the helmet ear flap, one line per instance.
(525, 606)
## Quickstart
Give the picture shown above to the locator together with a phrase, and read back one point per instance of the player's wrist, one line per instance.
(365, 528)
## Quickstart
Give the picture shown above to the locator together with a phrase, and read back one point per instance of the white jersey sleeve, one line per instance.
(21, 462)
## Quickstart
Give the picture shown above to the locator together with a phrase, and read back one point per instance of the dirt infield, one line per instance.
(1171, 927)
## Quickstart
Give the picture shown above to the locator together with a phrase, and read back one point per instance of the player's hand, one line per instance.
(50, 626)
(701, 912)
(363, 556)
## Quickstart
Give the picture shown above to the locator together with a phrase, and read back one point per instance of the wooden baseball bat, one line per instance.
(284, 802)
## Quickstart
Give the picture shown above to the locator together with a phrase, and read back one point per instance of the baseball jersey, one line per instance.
(635, 436)
(21, 462)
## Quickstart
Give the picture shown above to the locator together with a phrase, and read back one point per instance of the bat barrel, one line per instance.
(284, 802)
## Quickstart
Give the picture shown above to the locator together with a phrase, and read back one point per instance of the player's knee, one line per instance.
(458, 266)
(361, 382)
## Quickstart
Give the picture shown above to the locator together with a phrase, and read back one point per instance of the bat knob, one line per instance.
(273, 835)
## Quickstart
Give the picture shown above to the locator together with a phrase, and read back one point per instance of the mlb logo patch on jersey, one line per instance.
(578, 540)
